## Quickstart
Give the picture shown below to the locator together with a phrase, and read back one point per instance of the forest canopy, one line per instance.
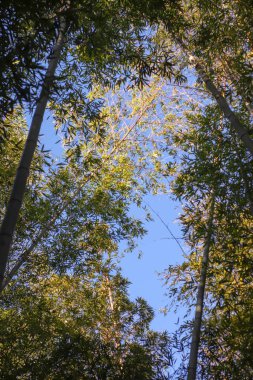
(145, 98)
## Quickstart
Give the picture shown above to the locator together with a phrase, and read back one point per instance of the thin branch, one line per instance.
(167, 228)
(25, 255)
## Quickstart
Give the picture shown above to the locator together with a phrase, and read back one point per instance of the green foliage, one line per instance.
(66, 313)
(212, 159)
(67, 306)
(219, 34)
(106, 40)
(79, 326)
(27, 31)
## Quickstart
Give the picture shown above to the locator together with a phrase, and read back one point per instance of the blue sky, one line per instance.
(159, 249)
(158, 252)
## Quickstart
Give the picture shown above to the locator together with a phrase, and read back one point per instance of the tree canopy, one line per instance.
(146, 97)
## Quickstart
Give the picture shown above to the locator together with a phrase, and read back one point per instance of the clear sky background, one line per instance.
(159, 249)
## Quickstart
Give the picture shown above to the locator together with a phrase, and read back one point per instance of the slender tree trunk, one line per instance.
(116, 329)
(18, 190)
(192, 368)
(25, 255)
(240, 130)
(234, 80)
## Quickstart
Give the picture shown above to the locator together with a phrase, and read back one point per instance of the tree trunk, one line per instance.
(192, 368)
(25, 255)
(240, 130)
(116, 337)
(18, 190)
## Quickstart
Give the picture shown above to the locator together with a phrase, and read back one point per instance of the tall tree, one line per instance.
(120, 28)
(210, 159)
(18, 190)
(107, 169)
(81, 326)
(192, 368)
(216, 41)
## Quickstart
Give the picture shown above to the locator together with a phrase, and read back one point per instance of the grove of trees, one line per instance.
(146, 97)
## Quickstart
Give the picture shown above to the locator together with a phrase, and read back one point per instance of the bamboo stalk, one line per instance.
(27, 252)
(240, 130)
(229, 114)
(192, 367)
(15, 202)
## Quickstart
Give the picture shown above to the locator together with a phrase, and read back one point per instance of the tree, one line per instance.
(128, 144)
(81, 323)
(192, 368)
(207, 37)
(106, 171)
(27, 32)
(81, 326)
(210, 161)
(113, 22)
